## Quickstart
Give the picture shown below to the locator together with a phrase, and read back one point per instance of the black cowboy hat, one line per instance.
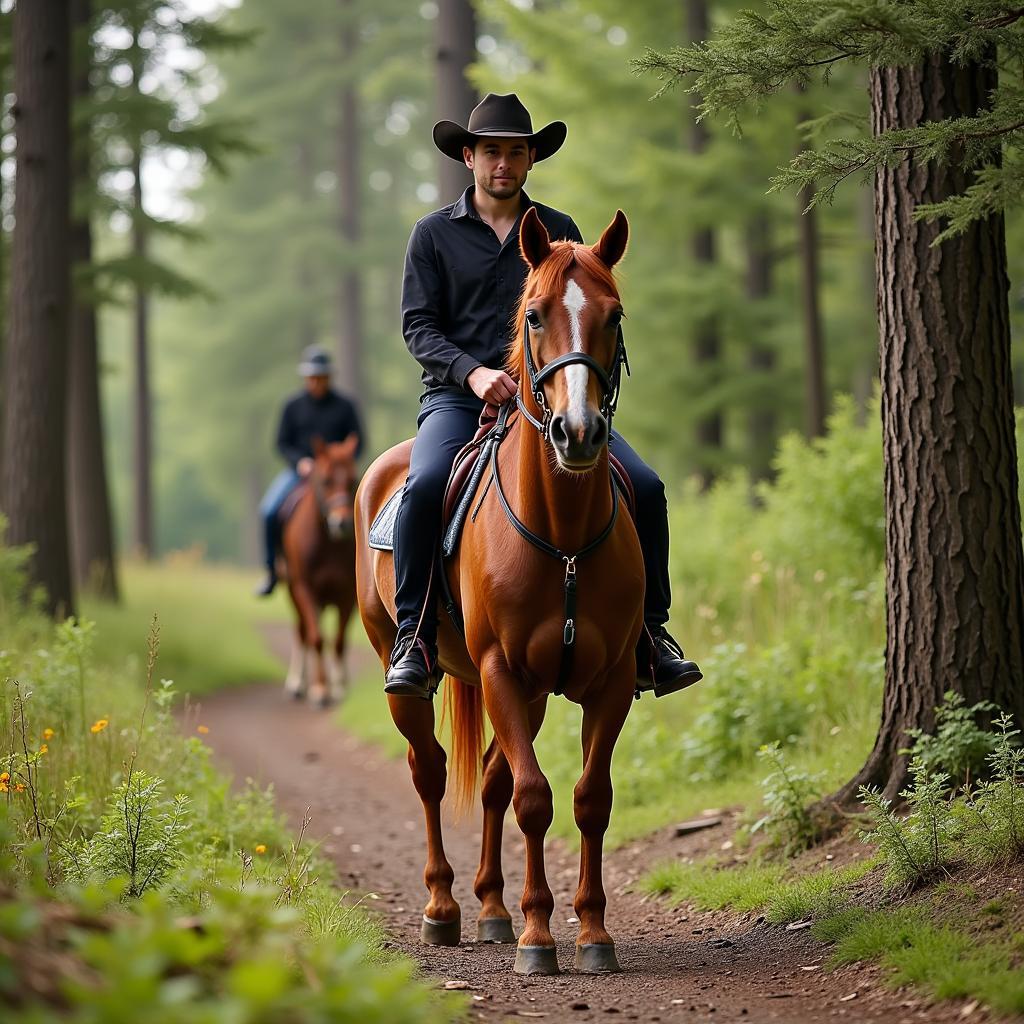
(501, 117)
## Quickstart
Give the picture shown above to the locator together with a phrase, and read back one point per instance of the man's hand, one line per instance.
(304, 466)
(492, 386)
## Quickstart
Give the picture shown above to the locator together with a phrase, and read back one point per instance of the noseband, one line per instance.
(609, 380)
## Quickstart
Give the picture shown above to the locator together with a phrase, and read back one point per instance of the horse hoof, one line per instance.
(494, 929)
(322, 703)
(596, 958)
(441, 933)
(536, 960)
(295, 694)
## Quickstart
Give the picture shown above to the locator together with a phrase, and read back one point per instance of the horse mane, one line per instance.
(550, 277)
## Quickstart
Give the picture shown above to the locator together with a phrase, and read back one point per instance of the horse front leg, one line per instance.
(339, 677)
(495, 922)
(531, 799)
(603, 717)
(442, 918)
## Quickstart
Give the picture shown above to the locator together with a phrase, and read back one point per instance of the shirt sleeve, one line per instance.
(421, 307)
(287, 442)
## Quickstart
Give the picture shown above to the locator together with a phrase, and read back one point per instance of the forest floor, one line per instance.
(678, 964)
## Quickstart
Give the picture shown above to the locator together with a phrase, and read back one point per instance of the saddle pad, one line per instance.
(382, 529)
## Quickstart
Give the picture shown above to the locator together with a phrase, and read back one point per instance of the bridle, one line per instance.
(609, 380)
(326, 505)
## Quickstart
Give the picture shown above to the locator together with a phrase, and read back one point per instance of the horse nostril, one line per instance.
(599, 432)
(559, 437)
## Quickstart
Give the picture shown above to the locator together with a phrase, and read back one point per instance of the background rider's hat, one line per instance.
(316, 362)
(502, 117)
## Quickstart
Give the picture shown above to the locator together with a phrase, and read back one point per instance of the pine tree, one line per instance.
(945, 153)
(455, 48)
(35, 357)
(145, 103)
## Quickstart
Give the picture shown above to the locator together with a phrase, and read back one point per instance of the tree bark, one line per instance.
(36, 358)
(455, 46)
(762, 421)
(954, 588)
(92, 535)
(706, 340)
(350, 285)
(142, 453)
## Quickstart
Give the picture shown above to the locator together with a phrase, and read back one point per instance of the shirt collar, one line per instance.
(464, 207)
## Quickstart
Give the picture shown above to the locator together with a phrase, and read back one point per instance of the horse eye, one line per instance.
(615, 319)
(533, 319)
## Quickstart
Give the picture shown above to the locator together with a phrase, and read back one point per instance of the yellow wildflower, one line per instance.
(48, 734)
(5, 776)
(44, 749)
(19, 787)
(260, 848)
(4, 787)
(203, 729)
(99, 725)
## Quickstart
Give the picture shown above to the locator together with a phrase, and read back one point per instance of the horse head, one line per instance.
(334, 480)
(569, 346)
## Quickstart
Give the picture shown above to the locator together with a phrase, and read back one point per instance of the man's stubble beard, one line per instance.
(503, 193)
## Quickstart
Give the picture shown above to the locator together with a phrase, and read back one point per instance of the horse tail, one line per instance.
(464, 709)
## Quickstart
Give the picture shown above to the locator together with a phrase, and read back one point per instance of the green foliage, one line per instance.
(817, 895)
(958, 747)
(920, 845)
(757, 53)
(947, 962)
(708, 886)
(156, 906)
(787, 794)
(139, 837)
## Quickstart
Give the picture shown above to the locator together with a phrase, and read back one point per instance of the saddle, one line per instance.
(291, 503)
(463, 484)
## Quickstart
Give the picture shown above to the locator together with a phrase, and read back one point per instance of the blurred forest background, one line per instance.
(250, 172)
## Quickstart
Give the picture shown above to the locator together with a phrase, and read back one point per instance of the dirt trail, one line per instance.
(678, 965)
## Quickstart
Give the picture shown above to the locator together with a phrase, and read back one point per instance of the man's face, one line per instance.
(499, 166)
(317, 386)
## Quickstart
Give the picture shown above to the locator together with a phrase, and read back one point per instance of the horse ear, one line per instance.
(534, 240)
(318, 446)
(612, 244)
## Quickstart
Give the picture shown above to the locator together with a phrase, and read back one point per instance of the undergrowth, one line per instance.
(133, 883)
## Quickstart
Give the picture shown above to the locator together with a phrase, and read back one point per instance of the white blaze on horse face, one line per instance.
(576, 376)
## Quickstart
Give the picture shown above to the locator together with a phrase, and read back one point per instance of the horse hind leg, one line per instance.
(592, 803)
(295, 680)
(442, 917)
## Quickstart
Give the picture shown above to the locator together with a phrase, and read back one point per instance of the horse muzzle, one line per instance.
(340, 526)
(578, 439)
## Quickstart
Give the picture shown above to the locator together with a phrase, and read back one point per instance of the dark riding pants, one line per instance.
(447, 421)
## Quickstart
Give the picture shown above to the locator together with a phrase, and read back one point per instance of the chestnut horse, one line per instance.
(319, 552)
(536, 622)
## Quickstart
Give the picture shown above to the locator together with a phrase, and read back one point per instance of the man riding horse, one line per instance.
(464, 273)
(318, 411)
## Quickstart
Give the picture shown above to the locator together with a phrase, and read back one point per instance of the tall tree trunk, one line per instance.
(36, 364)
(142, 451)
(706, 341)
(350, 286)
(92, 535)
(762, 421)
(809, 248)
(455, 44)
(306, 318)
(954, 584)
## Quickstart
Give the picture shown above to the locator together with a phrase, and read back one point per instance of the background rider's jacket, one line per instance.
(332, 417)
(462, 288)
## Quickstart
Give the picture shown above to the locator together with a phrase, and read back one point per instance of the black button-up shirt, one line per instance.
(462, 288)
(304, 417)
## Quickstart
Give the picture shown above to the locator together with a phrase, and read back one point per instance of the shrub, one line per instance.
(787, 794)
(959, 747)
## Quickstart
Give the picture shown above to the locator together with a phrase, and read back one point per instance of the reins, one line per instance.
(610, 386)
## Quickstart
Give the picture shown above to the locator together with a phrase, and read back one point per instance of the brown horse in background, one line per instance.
(319, 553)
(552, 470)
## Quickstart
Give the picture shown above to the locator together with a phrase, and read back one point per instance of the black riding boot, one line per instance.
(661, 664)
(413, 671)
